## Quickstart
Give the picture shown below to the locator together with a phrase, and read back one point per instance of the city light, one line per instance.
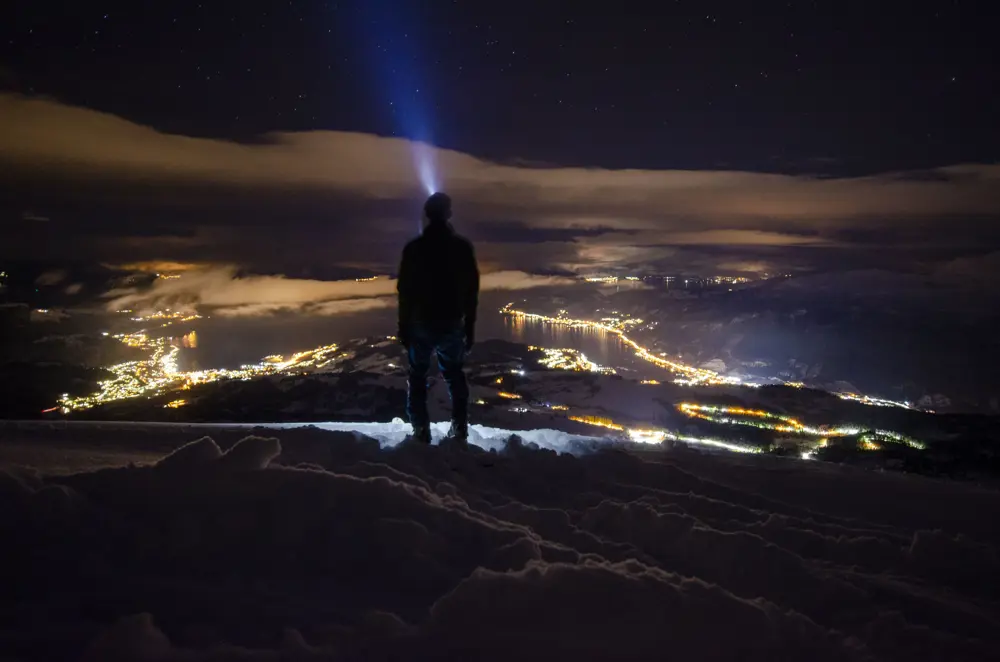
(690, 374)
(159, 373)
(570, 359)
(869, 444)
(869, 440)
(646, 436)
(656, 437)
(742, 416)
(714, 443)
(728, 280)
(873, 401)
(599, 421)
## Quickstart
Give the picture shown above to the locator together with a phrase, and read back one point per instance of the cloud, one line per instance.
(747, 266)
(52, 277)
(47, 135)
(518, 280)
(742, 237)
(154, 266)
(288, 199)
(519, 232)
(980, 269)
(325, 308)
(223, 291)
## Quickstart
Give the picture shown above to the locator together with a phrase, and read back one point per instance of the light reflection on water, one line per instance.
(229, 343)
(599, 346)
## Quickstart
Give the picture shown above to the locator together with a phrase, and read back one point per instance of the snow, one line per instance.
(487, 438)
(342, 544)
(387, 434)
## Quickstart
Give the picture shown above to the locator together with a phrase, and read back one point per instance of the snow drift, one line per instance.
(326, 546)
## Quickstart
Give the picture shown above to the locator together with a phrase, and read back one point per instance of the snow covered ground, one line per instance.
(485, 437)
(339, 544)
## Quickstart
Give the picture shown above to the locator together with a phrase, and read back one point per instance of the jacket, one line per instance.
(438, 282)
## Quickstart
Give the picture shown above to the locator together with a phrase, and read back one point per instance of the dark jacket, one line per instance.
(438, 281)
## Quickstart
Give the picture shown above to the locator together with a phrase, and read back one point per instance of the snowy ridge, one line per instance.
(328, 545)
(487, 438)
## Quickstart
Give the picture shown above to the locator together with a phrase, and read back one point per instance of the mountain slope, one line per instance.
(420, 553)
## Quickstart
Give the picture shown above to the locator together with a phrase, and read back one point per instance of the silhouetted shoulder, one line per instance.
(462, 242)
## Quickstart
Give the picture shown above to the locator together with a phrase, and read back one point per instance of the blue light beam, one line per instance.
(390, 33)
(424, 157)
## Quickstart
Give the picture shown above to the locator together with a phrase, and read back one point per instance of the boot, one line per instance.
(459, 431)
(422, 434)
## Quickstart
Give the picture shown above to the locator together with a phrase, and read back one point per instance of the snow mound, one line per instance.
(335, 545)
(251, 453)
(198, 453)
(487, 438)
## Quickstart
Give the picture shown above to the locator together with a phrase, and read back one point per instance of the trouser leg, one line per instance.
(451, 357)
(419, 356)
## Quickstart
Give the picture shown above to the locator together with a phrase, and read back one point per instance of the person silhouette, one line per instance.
(438, 288)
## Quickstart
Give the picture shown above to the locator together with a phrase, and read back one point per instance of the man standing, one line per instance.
(438, 290)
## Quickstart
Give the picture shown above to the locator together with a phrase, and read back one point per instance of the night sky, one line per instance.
(866, 109)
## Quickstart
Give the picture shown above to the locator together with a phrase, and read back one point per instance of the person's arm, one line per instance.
(404, 289)
(471, 303)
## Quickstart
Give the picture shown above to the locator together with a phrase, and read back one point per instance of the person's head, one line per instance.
(437, 209)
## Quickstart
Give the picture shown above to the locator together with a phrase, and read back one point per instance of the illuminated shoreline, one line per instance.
(692, 376)
(787, 424)
(570, 359)
(160, 374)
(655, 437)
(815, 438)
(868, 439)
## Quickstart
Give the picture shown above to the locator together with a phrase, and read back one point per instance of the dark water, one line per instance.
(229, 343)
(600, 347)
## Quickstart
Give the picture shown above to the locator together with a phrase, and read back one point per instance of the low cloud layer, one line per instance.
(48, 135)
(332, 188)
(227, 294)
